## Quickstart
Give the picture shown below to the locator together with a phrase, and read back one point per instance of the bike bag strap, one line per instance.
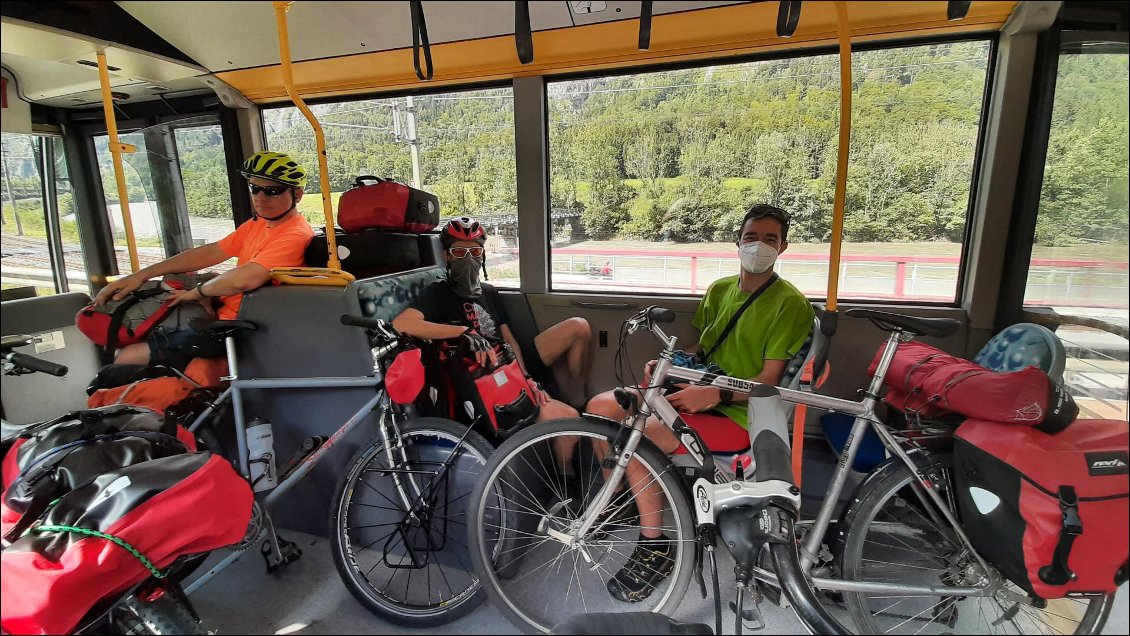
(1058, 572)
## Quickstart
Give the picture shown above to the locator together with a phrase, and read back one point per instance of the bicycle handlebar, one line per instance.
(350, 320)
(32, 363)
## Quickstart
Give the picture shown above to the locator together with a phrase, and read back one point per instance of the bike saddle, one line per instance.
(938, 327)
(221, 328)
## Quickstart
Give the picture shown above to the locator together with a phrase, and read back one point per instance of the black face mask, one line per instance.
(463, 277)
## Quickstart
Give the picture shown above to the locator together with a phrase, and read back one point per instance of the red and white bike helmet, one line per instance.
(463, 228)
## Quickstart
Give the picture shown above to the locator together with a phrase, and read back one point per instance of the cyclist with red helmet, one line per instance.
(461, 306)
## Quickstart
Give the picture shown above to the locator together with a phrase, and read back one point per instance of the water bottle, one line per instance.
(261, 455)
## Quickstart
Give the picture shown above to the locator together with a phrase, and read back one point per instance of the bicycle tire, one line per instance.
(887, 518)
(378, 561)
(163, 615)
(510, 544)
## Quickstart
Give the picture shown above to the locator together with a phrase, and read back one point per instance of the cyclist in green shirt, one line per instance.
(764, 337)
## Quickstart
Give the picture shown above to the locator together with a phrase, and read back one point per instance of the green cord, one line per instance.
(109, 537)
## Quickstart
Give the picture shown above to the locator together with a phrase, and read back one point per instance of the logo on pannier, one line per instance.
(1030, 413)
(1109, 463)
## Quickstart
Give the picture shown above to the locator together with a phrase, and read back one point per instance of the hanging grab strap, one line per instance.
(420, 39)
(645, 25)
(523, 36)
(787, 17)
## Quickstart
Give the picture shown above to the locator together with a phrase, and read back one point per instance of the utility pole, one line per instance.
(414, 146)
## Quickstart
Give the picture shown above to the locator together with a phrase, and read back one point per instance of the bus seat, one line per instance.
(300, 335)
(1024, 345)
(384, 297)
(36, 397)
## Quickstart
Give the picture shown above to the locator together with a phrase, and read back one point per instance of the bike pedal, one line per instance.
(289, 552)
(309, 446)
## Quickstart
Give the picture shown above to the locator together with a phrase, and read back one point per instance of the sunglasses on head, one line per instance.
(271, 191)
(462, 252)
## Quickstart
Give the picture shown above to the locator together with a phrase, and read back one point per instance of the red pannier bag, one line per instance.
(130, 320)
(162, 508)
(1049, 511)
(926, 382)
(51, 459)
(502, 392)
(385, 204)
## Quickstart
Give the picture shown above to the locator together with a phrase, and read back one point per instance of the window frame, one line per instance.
(965, 256)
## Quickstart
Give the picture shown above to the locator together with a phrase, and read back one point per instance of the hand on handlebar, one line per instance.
(695, 399)
(479, 347)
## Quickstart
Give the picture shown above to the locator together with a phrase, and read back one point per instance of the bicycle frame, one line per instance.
(653, 403)
(378, 402)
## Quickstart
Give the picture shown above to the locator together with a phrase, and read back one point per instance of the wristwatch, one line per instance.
(725, 395)
(200, 289)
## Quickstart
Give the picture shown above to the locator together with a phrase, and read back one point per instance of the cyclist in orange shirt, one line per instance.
(276, 237)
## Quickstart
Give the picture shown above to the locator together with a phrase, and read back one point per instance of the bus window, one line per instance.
(178, 192)
(458, 145)
(652, 172)
(1079, 255)
(37, 259)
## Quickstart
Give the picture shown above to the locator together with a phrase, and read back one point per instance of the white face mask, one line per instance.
(757, 257)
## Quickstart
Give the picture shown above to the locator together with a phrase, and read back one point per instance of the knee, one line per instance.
(579, 329)
(555, 410)
(605, 405)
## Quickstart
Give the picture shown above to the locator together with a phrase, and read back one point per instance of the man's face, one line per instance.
(767, 230)
(464, 249)
(274, 199)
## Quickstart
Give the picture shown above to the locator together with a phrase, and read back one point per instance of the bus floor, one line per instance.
(308, 596)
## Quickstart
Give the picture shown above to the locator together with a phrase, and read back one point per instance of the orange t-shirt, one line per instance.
(253, 242)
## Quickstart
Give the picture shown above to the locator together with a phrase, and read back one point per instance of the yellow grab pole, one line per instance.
(841, 156)
(323, 169)
(117, 148)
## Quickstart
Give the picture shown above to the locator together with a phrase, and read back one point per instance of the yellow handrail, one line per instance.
(841, 156)
(117, 148)
(281, 8)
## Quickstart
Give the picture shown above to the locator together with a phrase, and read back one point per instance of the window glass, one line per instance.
(178, 189)
(651, 173)
(1079, 256)
(458, 146)
(27, 268)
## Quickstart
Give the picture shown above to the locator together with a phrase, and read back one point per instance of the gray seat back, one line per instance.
(37, 396)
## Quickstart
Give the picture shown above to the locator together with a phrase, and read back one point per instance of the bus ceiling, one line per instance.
(348, 48)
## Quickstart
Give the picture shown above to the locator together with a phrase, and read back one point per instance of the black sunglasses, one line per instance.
(772, 212)
(271, 191)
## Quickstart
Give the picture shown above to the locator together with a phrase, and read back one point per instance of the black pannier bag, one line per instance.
(375, 253)
(1049, 511)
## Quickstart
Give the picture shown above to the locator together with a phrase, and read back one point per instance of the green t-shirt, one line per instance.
(774, 327)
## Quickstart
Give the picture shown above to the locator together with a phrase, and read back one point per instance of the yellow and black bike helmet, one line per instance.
(275, 166)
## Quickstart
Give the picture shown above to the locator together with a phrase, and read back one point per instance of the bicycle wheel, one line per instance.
(547, 477)
(892, 538)
(410, 570)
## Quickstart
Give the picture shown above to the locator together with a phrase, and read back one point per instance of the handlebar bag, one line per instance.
(162, 509)
(373, 203)
(924, 381)
(1049, 511)
(501, 392)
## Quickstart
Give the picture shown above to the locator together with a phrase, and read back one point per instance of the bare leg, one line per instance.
(645, 486)
(567, 346)
(137, 353)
